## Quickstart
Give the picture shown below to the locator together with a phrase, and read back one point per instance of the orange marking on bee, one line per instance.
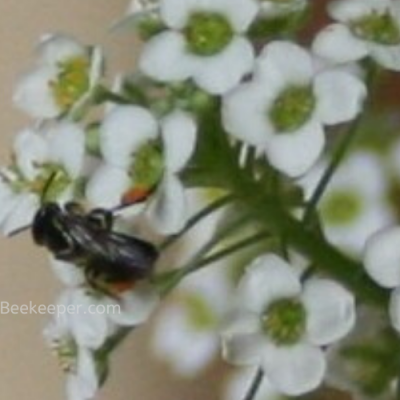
(135, 195)
(123, 286)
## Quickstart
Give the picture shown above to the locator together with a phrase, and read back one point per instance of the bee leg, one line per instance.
(101, 219)
(94, 280)
(90, 276)
(69, 252)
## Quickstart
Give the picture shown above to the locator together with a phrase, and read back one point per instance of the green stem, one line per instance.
(241, 244)
(268, 211)
(255, 385)
(103, 95)
(250, 241)
(338, 156)
(205, 212)
(220, 235)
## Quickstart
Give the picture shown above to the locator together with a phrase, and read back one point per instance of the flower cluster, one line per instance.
(226, 105)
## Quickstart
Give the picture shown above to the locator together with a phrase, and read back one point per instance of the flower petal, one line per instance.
(57, 48)
(67, 147)
(244, 116)
(220, 73)
(337, 43)
(83, 384)
(242, 342)
(8, 201)
(350, 10)
(89, 327)
(167, 211)
(164, 58)
(296, 369)
(123, 131)
(386, 56)
(33, 96)
(382, 257)
(294, 153)
(96, 66)
(173, 341)
(107, 186)
(267, 279)
(330, 311)
(293, 63)
(134, 307)
(22, 213)
(240, 13)
(30, 149)
(240, 382)
(340, 96)
(67, 273)
(179, 139)
(176, 13)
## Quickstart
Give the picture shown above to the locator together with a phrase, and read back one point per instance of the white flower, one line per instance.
(99, 314)
(143, 156)
(204, 41)
(284, 108)
(364, 28)
(382, 263)
(200, 302)
(353, 374)
(282, 325)
(274, 8)
(62, 80)
(186, 332)
(76, 361)
(240, 382)
(352, 209)
(45, 167)
(138, 10)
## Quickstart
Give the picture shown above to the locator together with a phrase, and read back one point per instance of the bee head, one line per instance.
(46, 225)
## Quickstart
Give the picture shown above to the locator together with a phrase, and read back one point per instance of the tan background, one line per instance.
(27, 369)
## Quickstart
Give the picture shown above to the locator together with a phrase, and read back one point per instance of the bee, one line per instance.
(112, 261)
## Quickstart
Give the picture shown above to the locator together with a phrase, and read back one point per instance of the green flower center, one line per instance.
(285, 321)
(208, 33)
(49, 184)
(292, 108)
(341, 207)
(148, 166)
(380, 28)
(200, 315)
(71, 83)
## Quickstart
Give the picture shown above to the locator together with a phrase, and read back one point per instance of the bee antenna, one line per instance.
(19, 230)
(123, 206)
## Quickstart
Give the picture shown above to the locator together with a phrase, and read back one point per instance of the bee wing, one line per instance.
(113, 251)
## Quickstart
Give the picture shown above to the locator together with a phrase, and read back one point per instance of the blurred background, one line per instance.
(27, 368)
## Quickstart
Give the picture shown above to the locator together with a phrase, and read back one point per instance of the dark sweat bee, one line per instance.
(111, 261)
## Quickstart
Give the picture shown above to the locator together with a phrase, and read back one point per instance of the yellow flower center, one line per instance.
(71, 83)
